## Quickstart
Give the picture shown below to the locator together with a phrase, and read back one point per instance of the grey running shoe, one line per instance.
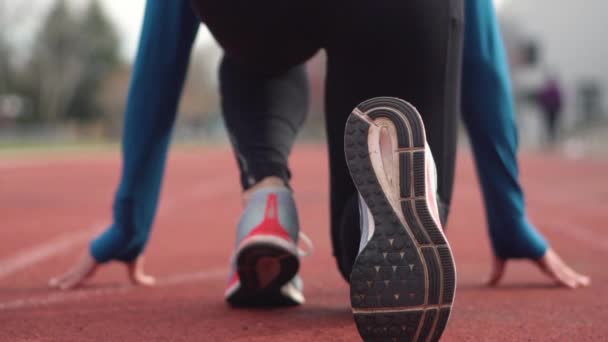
(266, 260)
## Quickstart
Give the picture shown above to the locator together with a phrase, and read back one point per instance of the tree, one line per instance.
(6, 69)
(70, 59)
(55, 68)
(99, 50)
(10, 16)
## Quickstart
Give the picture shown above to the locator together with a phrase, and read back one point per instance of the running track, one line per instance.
(50, 206)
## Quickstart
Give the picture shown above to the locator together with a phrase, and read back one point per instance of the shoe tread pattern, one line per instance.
(388, 273)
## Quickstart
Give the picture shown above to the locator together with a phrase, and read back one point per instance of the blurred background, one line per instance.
(65, 67)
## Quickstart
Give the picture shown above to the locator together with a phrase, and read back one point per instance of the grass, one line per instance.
(25, 149)
(48, 150)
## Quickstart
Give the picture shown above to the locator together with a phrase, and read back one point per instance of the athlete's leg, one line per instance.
(396, 59)
(263, 113)
(264, 94)
(410, 50)
(488, 112)
(168, 31)
(552, 116)
(263, 81)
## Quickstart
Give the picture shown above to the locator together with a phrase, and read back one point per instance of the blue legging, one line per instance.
(168, 32)
(488, 113)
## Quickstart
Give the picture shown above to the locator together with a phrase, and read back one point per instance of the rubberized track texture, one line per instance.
(50, 205)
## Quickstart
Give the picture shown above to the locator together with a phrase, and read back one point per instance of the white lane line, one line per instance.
(39, 253)
(57, 297)
(23, 164)
(64, 243)
(37, 164)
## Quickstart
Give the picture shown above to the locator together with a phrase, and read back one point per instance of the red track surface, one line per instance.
(49, 208)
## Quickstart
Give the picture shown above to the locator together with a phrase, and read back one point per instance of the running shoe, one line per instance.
(403, 279)
(266, 260)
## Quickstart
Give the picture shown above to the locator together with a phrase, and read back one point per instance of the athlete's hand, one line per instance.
(86, 267)
(137, 275)
(552, 265)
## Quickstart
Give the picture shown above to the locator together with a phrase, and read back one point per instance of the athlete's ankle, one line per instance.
(264, 183)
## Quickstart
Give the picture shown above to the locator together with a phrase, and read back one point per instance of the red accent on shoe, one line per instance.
(271, 224)
(233, 280)
(233, 284)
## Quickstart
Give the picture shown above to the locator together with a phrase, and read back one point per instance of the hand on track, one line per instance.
(550, 264)
(86, 267)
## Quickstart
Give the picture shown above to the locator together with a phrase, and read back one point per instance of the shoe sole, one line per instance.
(264, 267)
(403, 280)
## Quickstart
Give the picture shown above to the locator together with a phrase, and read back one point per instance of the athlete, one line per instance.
(154, 76)
(269, 43)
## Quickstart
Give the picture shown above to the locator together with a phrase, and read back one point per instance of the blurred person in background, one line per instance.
(550, 101)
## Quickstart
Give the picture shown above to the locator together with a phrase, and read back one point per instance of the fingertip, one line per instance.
(53, 282)
(152, 281)
(494, 281)
(572, 285)
(146, 281)
(142, 280)
(585, 281)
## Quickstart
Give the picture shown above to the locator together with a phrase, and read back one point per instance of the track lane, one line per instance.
(188, 242)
